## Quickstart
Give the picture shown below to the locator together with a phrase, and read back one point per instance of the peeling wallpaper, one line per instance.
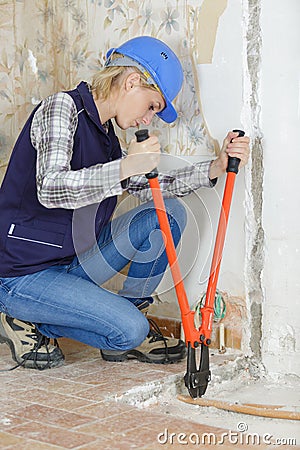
(205, 29)
(50, 45)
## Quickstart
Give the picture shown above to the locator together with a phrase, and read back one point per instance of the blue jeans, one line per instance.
(68, 301)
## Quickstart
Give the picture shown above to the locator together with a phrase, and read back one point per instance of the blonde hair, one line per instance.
(106, 78)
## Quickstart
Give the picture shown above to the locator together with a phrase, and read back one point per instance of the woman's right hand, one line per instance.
(142, 157)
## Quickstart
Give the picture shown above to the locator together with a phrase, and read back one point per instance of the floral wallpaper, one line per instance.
(51, 45)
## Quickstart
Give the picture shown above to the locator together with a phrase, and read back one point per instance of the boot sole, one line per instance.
(151, 358)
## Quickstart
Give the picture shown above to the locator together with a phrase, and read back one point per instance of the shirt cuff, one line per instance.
(125, 183)
(213, 182)
(204, 168)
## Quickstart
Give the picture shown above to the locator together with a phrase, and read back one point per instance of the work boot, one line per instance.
(29, 348)
(156, 348)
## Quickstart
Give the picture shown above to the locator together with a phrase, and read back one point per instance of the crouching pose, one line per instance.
(58, 241)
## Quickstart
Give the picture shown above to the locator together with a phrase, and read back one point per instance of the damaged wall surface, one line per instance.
(254, 232)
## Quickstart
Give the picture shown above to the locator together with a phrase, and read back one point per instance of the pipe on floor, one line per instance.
(254, 409)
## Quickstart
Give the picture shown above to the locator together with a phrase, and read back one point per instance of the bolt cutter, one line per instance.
(196, 378)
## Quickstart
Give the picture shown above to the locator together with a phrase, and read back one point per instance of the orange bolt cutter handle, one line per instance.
(191, 333)
(208, 310)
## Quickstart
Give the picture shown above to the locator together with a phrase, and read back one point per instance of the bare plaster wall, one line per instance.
(254, 232)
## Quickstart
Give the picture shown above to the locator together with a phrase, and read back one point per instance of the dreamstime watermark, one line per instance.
(240, 437)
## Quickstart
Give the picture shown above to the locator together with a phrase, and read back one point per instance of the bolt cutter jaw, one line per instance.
(196, 380)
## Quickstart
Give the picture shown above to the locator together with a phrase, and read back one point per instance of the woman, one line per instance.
(58, 244)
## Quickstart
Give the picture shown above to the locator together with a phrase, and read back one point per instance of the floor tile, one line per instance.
(51, 434)
(87, 405)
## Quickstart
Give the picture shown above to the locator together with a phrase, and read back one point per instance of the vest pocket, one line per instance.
(36, 236)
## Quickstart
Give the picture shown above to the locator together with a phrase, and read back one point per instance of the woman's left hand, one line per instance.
(239, 148)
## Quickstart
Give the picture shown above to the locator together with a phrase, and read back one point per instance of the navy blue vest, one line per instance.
(33, 237)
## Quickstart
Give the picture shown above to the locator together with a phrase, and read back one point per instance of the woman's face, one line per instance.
(137, 105)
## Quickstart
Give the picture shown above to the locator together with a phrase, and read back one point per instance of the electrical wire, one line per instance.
(219, 306)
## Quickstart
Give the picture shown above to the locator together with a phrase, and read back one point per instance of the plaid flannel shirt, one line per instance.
(58, 186)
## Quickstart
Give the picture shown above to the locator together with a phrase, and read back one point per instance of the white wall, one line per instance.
(280, 122)
(222, 98)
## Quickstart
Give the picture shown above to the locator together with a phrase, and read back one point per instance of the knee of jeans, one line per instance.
(136, 332)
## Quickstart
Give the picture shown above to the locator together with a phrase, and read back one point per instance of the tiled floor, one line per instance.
(81, 406)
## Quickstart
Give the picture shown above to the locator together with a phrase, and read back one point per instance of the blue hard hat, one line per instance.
(162, 67)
